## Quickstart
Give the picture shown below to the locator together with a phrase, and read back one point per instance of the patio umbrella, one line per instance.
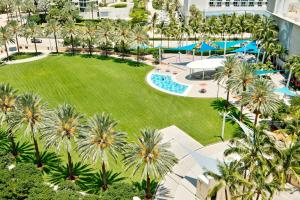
(285, 91)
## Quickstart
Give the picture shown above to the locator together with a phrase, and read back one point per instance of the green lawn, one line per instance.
(99, 84)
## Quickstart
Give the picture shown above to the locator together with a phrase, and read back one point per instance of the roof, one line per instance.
(206, 64)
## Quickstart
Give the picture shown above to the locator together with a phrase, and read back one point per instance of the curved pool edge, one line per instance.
(148, 80)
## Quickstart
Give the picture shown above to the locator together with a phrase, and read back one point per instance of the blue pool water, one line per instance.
(165, 82)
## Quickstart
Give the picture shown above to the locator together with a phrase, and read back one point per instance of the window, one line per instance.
(211, 4)
(219, 4)
(227, 4)
(259, 4)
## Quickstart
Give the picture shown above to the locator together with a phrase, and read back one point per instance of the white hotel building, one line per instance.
(217, 7)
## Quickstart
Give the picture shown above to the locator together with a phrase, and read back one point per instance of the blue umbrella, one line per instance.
(285, 91)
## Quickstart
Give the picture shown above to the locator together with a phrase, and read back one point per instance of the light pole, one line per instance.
(223, 124)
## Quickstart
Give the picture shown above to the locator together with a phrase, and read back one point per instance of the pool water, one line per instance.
(166, 82)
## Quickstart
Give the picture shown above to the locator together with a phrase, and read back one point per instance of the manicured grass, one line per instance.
(110, 85)
(23, 55)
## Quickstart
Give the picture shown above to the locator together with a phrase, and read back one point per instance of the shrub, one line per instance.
(121, 191)
(119, 5)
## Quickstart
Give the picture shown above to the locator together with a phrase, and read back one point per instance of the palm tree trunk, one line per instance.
(90, 47)
(37, 151)
(70, 167)
(13, 143)
(35, 45)
(104, 177)
(256, 118)
(55, 42)
(241, 113)
(7, 13)
(19, 10)
(72, 41)
(148, 191)
(6, 49)
(138, 54)
(227, 97)
(106, 49)
(153, 35)
(17, 41)
(226, 194)
(257, 197)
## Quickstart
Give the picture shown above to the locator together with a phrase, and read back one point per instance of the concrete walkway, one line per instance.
(39, 57)
(180, 184)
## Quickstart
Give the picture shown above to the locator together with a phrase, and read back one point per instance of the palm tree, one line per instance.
(227, 178)
(62, 129)
(261, 98)
(100, 141)
(53, 27)
(105, 34)
(139, 38)
(252, 150)
(261, 184)
(18, 4)
(8, 96)
(32, 30)
(293, 64)
(5, 38)
(150, 156)
(15, 30)
(242, 76)
(30, 113)
(288, 163)
(224, 73)
(70, 31)
(89, 35)
(124, 36)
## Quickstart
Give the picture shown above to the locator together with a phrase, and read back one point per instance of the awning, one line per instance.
(185, 48)
(206, 64)
(263, 72)
(229, 44)
(205, 47)
(249, 48)
(286, 91)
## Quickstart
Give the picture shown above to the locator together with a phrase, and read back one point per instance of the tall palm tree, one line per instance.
(53, 27)
(105, 34)
(293, 64)
(242, 76)
(261, 98)
(288, 163)
(100, 141)
(252, 149)
(140, 38)
(227, 178)
(150, 156)
(89, 35)
(30, 112)
(15, 30)
(8, 96)
(70, 31)
(5, 38)
(32, 30)
(62, 129)
(224, 73)
(124, 36)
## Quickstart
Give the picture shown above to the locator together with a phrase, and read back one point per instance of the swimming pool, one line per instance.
(166, 82)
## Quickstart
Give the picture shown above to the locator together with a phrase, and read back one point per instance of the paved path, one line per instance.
(41, 56)
(193, 157)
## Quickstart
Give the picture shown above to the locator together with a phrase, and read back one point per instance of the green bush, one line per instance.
(157, 4)
(119, 5)
(121, 191)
